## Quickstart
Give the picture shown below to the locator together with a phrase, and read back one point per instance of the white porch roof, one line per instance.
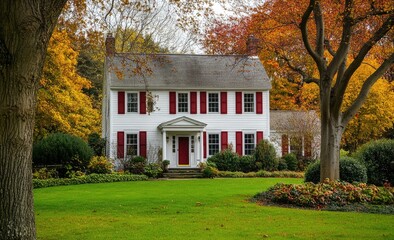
(182, 124)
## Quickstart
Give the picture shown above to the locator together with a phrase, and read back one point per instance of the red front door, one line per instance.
(183, 151)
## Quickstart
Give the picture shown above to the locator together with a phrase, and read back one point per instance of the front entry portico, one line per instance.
(182, 141)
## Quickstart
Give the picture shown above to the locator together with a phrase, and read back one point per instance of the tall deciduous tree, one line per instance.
(25, 29)
(325, 42)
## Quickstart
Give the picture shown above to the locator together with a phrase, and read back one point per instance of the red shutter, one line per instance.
(120, 147)
(223, 102)
(238, 102)
(205, 144)
(142, 102)
(285, 145)
(172, 103)
(239, 143)
(224, 140)
(193, 102)
(121, 106)
(259, 102)
(308, 146)
(203, 102)
(259, 136)
(142, 144)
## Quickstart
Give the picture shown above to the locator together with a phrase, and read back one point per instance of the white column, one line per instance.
(201, 146)
(164, 147)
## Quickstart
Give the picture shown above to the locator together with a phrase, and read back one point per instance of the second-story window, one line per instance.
(183, 103)
(132, 102)
(213, 102)
(248, 102)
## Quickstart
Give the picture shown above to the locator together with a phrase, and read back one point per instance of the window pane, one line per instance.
(183, 105)
(131, 144)
(249, 143)
(213, 102)
(213, 143)
(132, 102)
(248, 102)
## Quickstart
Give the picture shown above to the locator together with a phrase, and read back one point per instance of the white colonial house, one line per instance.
(183, 108)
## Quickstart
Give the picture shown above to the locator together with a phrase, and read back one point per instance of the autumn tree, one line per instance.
(325, 43)
(62, 104)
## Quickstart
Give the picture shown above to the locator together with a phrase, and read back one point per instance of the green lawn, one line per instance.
(190, 209)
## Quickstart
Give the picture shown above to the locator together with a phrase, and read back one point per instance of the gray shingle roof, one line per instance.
(178, 71)
(284, 119)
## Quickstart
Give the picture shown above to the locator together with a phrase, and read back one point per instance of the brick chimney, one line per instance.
(252, 45)
(110, 45)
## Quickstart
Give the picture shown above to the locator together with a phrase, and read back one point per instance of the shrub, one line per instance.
(92, 178)
(377, 157)
(64, 149)
(165, 164)
(282, 165)
(100, 164)
(304, 162)
(153, 170)
(350, 170)
(44, 173)
(135, 165)
(97, 144)
(291, 161)
(226, 160)
(329, 193)
(265, 153)
(209, 172)
(247, 163)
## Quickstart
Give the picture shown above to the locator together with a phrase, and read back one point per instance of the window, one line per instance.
(183, 104)
(131, 144)
(213, 102)
(132, 102)
(173, 144)
(192, 144)
(213, 143)
(249, 143)
(296, 145)
(248, 102)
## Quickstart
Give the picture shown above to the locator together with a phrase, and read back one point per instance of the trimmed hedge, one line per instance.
(262, 173)
(92, 178)
(378, 157)
(350, 170)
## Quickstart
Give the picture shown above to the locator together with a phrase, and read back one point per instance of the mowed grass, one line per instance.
(191, 209)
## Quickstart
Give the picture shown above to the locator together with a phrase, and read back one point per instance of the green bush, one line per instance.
(63, 149)
(291, 161)
(262, 173)
(265, 153)
(135, 165)
(350, 170)
(282, 165)
(226, 160)
(209, 172)
(100, 164)
(247, 163)
(304, 162)
(92, 178)
(377, 157)
(153, 170)
(97, 144)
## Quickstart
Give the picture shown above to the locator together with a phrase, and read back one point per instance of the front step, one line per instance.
(183, 173)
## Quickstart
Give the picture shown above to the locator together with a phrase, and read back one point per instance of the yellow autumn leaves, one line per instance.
(62, 104)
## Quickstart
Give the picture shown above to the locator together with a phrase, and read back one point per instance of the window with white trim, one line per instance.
(249, 143)
(131, 145)
(213, 144)
(132, 102)
(248, 102)
(192, 144)
(213, 102)
(183, 102)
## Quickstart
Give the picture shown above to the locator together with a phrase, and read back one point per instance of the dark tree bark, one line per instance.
(25, 29)
(333, 119)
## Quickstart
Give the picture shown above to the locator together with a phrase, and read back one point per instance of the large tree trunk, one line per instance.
(25, 29)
